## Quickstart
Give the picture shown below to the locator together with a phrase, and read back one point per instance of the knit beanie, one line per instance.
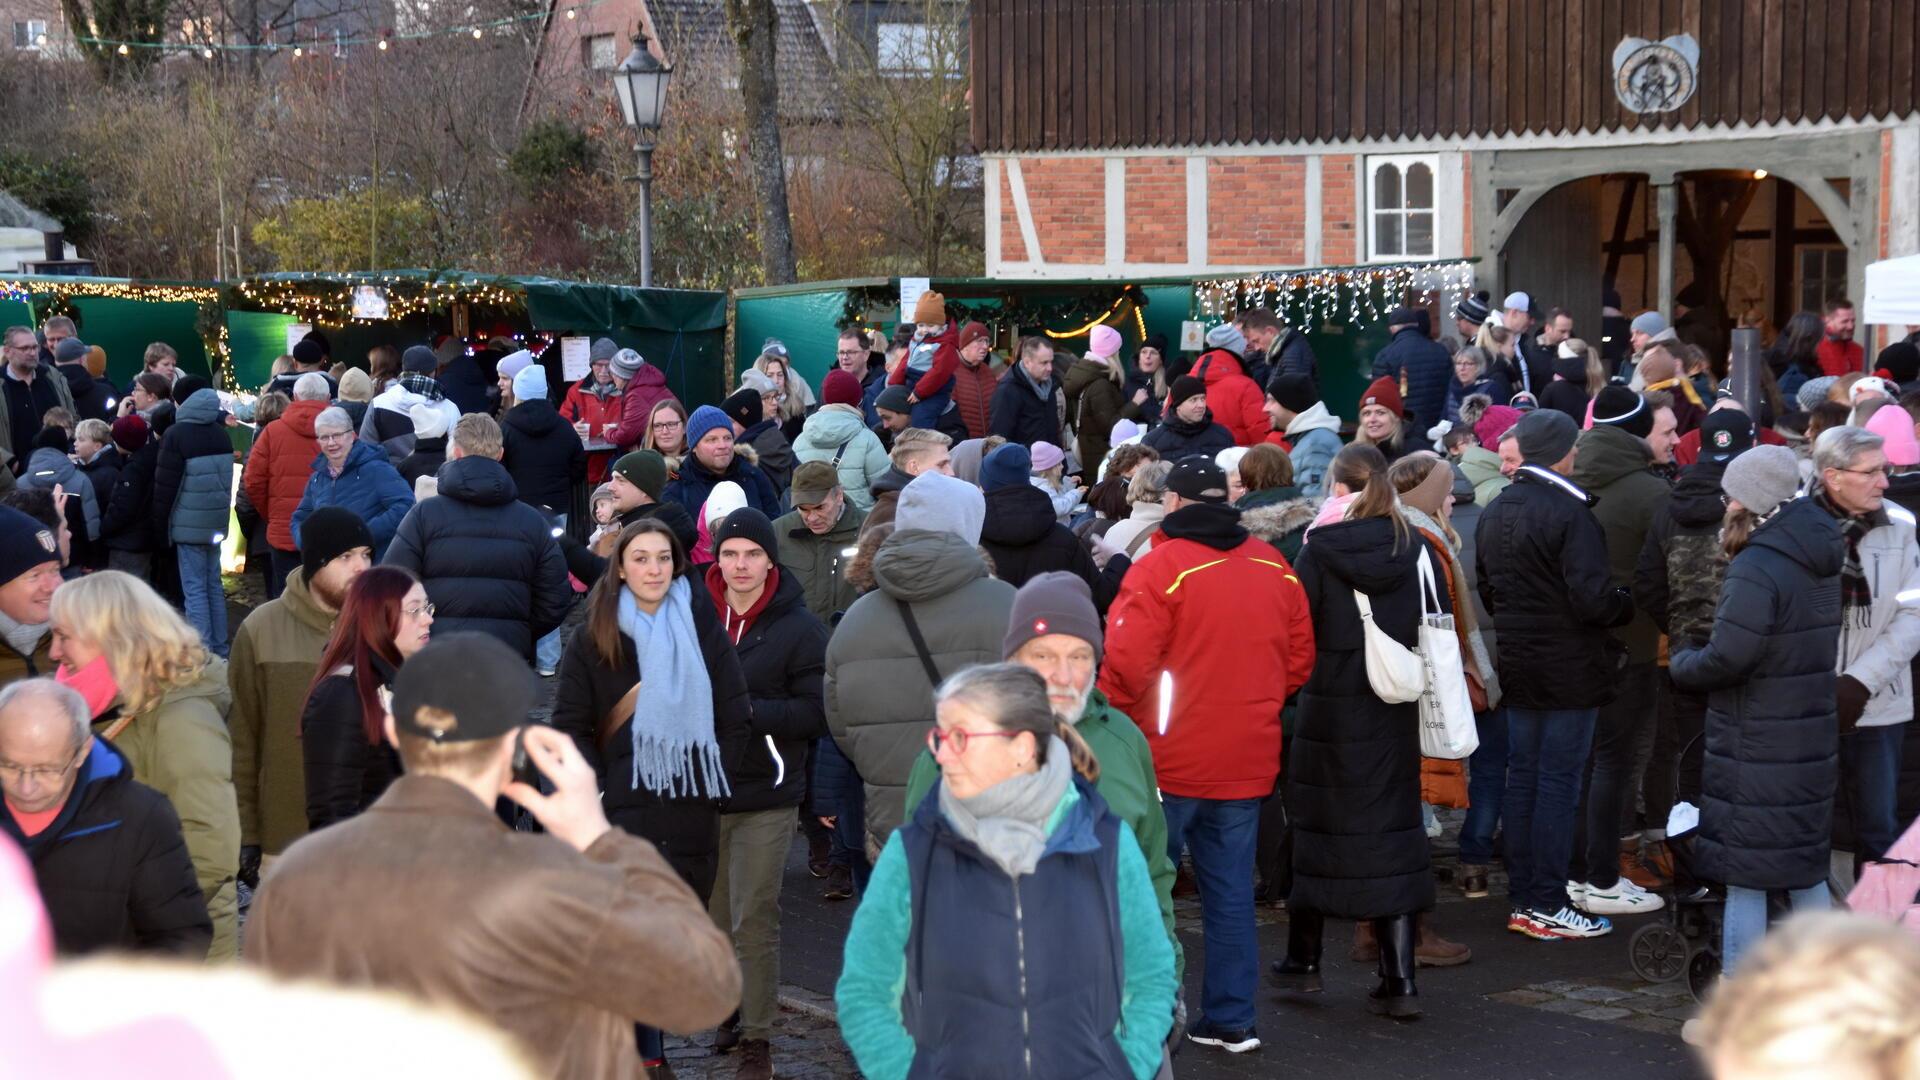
(530, 383)
(941, 503)
(1763, 478)
(1402, 316)
(930, 309)
(96, 361)
(1428, 495)
(1518, 301)
(1545, 436)
(743, 406)
(24, 544)
(329, 533)
(644, 469)
(186, 386)
(723, 500)
(1229, 459)
(1473, 309)
(1046, 456)
(70, 351)
(419, 360)
(894, 399)
(1184, 388)
(1157, 342)
(1103, 343)
(746, 523)
(603, 349)
(1900, 362)
(1227, 336)
(1385, 392)
(1294, 391)
(705, 419)
(972, 332)
(1617, 406)
(1649, 322)
(512, 363)
(840, 388)
(1893, 424)
(428, 422)
(1814, 391)
(1056, 602)
(130, 433)
(1495, 422)
(308, 352)
(356, 385)
(1008, 466)
(627, 363)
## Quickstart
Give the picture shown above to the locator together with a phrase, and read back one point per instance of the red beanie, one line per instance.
(1384, 391)
(840, 388)
(130, 433)
(970, 333)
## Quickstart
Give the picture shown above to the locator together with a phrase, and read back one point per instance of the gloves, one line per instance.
(250, 866)
(1850, 700)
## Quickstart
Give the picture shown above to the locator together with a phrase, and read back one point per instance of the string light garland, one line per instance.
(381, 41)
(325, 301)
(1012, 309)
(1354, 295)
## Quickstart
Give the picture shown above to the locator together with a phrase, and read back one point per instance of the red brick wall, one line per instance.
(1068, 197)
(1156, 210)
(1257, 211)
(1013, 246)
(1337, 236)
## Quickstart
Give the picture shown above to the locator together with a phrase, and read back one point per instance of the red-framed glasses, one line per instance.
(959, 737)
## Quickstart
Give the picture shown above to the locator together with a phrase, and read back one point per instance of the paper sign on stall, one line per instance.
(296, 332)
(910, 290)
(576, 358)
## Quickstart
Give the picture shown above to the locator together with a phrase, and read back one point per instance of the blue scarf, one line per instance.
(674, 752)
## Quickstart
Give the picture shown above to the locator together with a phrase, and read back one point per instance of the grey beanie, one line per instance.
(627, 363)
(1649, 322)
(1814, 391)
(1227, 336)
(941, 503)
(70, 351)
(603, 349)
(419, 360)
(1762, 478)
(1545, 436)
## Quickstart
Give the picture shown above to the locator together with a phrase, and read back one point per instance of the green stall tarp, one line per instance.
(807, 323)
(15, 313)
(254, 340)
(123, 326)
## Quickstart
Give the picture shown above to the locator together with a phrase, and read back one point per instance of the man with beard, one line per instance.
(270, 671)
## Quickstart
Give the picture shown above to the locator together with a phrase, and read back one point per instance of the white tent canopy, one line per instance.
(1893, 292)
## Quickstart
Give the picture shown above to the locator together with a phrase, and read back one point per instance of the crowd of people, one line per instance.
(1023, 646)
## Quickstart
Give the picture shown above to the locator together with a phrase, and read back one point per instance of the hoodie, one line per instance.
(1315, 435)
(92, 398)
(1482, 469)
(838, 434)
(1613, 467)
(50, 466)
(1025, 539)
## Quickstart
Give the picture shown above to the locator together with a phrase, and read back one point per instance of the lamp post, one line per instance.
(640, 82)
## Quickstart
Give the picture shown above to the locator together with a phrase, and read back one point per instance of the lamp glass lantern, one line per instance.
(641, 84)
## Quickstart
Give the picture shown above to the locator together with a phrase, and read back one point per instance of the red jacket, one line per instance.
(580, 405)
(973, 393)
(1232, 629)
(1840, 357)
(647, 389)
(279, 467)
(946, 358)
(1237, 403)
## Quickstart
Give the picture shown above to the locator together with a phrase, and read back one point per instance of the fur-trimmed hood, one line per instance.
(1270, 523)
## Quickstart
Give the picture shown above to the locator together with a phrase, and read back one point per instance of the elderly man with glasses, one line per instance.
(354, 475)
(29, 387)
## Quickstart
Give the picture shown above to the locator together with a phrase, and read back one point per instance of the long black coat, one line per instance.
(687, 830)
(1026, 539)
(1541, 568)
(126, 523)
(345, 772)
(113, 868)
(543, 454)
(425, 459)
(1772, 744)
(489, 562)
(784, 657)
(1353, 784)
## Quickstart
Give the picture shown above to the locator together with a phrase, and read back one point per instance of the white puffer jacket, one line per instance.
(1878, 643)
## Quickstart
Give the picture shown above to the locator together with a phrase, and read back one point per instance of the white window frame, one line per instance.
(903, 48)
(1800, 275)
(588, 59)
(36, 29)
(1402, 162)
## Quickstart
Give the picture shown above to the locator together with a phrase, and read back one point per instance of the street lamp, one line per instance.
(641, 84)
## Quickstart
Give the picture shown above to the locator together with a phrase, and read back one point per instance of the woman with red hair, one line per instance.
(385, 618)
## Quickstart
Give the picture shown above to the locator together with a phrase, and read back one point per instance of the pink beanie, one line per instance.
(1494, 423)
(1103, 343)
(1892, 423)
(1046, 456)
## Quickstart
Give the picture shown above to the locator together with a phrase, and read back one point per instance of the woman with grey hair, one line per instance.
(1134, 533)
(1474, 372)
(1011, 926)
(356, 475)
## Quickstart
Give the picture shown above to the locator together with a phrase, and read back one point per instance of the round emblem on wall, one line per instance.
(1655, 76)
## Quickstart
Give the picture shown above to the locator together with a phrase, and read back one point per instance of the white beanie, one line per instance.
(428, 422)
(724, 499)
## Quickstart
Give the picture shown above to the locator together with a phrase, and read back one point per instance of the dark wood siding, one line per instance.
(1092, 74)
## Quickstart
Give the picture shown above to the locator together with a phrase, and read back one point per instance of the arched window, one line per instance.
(1400, 207)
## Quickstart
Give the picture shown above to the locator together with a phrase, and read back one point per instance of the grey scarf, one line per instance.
(23, 637)
(1008, 821)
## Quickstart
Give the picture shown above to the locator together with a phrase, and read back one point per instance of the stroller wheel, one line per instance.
(1703, 972)
(1658, 952)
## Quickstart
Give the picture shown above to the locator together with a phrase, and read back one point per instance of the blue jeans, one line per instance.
(1870, 776)
(1746, 918)
(206, 602)
(1546, 753)
(546, 652)
(926, 412)
(1220, 834)
(1486, 788)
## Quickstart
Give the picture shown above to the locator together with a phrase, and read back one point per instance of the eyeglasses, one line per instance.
(959, 736)
(665, 425)
(42, 773)
(417, 612)
(330, 436)
(1884, 470)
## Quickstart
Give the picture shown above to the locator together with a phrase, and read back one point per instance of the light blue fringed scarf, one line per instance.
(674, 752)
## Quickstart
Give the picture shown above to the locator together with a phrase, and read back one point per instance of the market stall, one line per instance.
(120, 315)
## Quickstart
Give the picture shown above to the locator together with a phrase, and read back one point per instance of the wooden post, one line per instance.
(1668, 209)
(1744, 373)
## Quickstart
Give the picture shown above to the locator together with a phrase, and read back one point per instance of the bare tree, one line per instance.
(755, 25)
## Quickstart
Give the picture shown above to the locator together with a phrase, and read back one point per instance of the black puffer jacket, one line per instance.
(126, 523)
(489, 562)
(543, 454)
(1175, 438)
(1353, 783)
(1025, 539)
(345, 772)
(425, 460)
(1422, 365)
(1021, 413)
(1541, 568)
(1677, 582)
(113, 868)
(1772, 744)
(784, 656)
(92, 398)
(687, 830)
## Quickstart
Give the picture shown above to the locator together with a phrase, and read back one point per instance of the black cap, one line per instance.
(329, 533)
(1183, 388)
(1199, 479)
(1402, 316)
(742, 406)
(1725, 434)
(470, 685)
(746, 523)
(1294, 391)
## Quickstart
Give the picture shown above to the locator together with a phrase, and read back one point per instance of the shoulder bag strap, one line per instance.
(621, 712)
(919, 641)
(840, 453)
(1133, 546)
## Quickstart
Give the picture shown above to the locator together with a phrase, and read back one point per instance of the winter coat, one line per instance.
(1315, 435)
(559, 949)
(686, 828)
(1613, 468)
(489, 561)
(1133, 534)
(49, 389)
(837, 434)
(584, 564)
(1771, 763)
(1280, 520)
(368, 485)
(1024, 539)
(1353, 783)
(271, 669)
(695, 482)
(425, 460)
(1145, 413)
(1176, 438)
(1493, 384)
(1093, 405)
(582, 404)
(1540, 563)
(284, 383)
(112, 868)
(1465, 520)
(942, 361)
(1292, 355)
(773, 452)
(389, 420)
(1069, 964)
(126, 521)
(1233, 399)
(1677, 581)
(819, 563)
(1425, 372)
(181, 749)
(647, 389)
(973, 395)
(1482, 468)
(279, 467)
(1564, 396)
(49, 467)
(345, 771)
(1877, 643)
(193, 476)
(1220, 736)
(543, 455)
(464, 384)
(879, 695)
(102, 471)
(92, 398)
(783, 654)
(1022, 411)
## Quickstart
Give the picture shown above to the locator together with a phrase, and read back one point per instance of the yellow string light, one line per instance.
(1117, 304)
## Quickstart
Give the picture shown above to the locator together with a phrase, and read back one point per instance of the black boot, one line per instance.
(1300, 971)
(1396, 995)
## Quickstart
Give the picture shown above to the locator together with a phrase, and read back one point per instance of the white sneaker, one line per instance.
(1624, 898)
(1577, 893)
(1568, 923)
